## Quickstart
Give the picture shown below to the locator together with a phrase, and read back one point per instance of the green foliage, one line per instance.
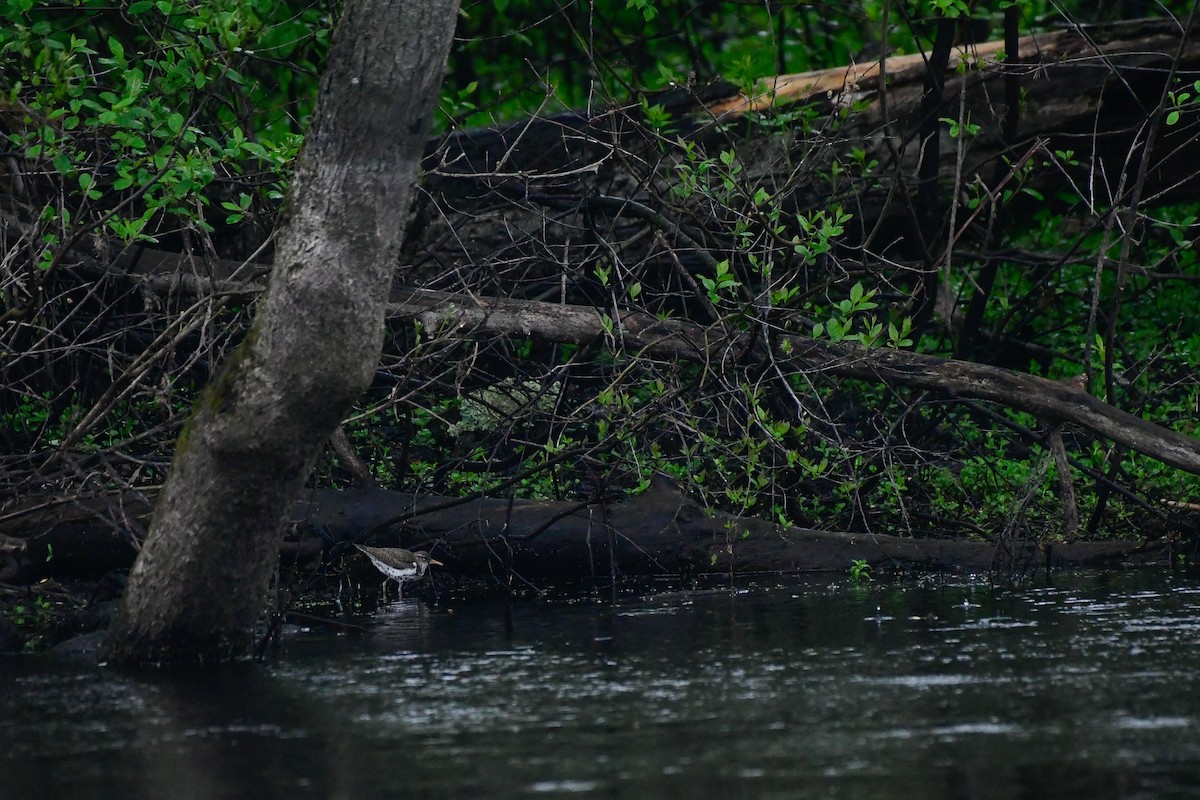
(45, 421)
(1181, 102)
(860, 571)
(656, 116)
(35, 619)
(722, 282)
(843, 315)
(140, 115)
(767, 236)
(952, 8)
(646, 7)
(961, 128)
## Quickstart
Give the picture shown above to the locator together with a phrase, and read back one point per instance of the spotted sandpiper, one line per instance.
(398, 565)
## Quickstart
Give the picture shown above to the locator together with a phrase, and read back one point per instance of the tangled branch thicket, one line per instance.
(1034, 244)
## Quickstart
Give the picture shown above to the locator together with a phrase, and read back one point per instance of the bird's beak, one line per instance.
(435, 561)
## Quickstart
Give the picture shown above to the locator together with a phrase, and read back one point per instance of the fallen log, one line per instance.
(660, 533)
(82, 536)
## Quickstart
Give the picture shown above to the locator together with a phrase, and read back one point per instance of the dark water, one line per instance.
(1084, 689)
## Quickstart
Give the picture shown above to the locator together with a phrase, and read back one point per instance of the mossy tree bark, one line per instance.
(201, 581)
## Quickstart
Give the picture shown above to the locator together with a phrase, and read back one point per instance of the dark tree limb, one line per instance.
(662, 533)
(929, 205)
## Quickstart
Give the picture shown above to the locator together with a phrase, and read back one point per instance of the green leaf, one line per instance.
(134, 81)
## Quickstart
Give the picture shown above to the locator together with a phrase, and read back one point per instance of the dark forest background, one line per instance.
(147, 148)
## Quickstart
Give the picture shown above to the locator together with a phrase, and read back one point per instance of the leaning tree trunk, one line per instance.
(201, 581)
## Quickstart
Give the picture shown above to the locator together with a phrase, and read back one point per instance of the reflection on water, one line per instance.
(1081, 689)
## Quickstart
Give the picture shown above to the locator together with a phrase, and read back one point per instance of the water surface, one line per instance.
(1085, 688)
